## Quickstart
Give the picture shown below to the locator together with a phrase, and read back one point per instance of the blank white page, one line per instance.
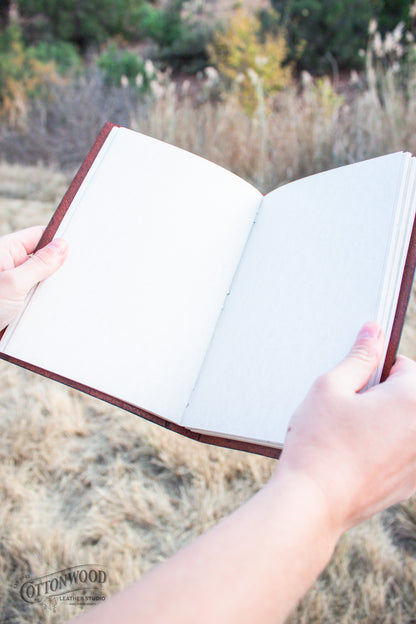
(311, 275)
(155, 235)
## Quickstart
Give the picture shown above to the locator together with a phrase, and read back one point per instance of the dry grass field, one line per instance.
(83, 482)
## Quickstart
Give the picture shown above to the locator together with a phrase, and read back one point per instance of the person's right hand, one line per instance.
(359, 450)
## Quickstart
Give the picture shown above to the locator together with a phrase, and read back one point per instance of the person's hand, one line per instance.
(20, 271)
(359, 450)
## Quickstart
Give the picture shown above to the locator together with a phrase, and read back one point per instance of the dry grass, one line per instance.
(306, 130)
(83, 482)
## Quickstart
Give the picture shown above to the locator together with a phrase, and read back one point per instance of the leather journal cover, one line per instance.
(406, 285)
(402, 302)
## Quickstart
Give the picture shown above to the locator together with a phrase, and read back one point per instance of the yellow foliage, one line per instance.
(22, 77)
(328, 99)
(249, 66)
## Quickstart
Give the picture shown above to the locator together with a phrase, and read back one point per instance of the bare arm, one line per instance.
(345, 458)
(252, 567)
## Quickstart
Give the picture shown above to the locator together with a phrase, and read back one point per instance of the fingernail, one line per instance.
(370, 330)
(59, 244)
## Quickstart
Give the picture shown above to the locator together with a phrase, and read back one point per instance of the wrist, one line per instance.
(308, 500)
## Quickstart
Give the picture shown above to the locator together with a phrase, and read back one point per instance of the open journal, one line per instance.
(193, 300)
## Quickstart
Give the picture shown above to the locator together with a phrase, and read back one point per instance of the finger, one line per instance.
(365, 355)
(29, 237)
(41, 265)
(15, 247)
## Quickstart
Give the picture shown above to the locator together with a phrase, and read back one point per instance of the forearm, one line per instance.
(252, 567)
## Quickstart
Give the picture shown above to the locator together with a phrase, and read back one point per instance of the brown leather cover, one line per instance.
(239, 445)
(250, 447)
(402, 302)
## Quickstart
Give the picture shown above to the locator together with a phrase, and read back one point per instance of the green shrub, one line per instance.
(81, 22)
(163, 25)
(125, 68)
(390, 12)
(322, 33)
(64, 54)
(182, 31)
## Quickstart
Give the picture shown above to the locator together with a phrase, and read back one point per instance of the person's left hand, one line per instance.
(20, 271)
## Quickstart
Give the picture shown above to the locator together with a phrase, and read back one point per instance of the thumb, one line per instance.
(41, 265)
(365, 355)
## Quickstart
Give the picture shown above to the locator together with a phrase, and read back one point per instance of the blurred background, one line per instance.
(273, 91)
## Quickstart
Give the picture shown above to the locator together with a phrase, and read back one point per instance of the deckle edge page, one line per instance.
(406, 281)
(392, 266)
